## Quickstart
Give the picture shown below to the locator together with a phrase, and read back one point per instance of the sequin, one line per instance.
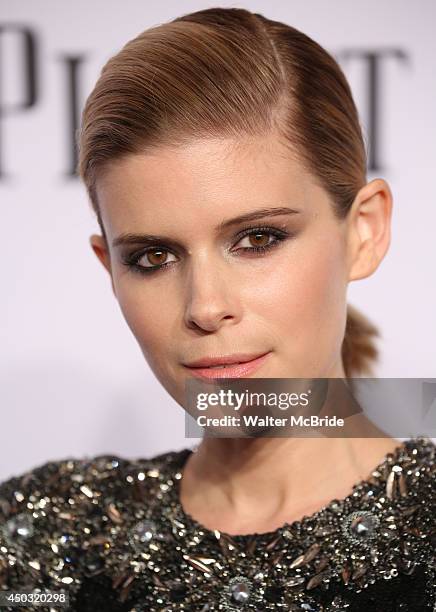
(112, 530)
(18, 529)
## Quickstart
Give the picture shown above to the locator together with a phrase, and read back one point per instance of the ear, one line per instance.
(100, 248)
(369, 228)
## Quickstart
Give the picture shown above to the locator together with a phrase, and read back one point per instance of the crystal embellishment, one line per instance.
(239, 589)
(360, 527)
(18, 527)
(237, 593)
(142, 533)
(135, 536)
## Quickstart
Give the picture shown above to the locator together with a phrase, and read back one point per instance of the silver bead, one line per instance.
(295, 581)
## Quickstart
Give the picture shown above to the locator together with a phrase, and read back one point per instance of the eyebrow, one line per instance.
(131, 238)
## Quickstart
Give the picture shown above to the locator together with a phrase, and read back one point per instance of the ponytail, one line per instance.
(359, 350)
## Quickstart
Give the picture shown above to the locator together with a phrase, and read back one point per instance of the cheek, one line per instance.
(303, 299)
(294, 303)
(150, 318)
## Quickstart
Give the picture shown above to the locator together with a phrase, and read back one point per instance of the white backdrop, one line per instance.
(73, 381)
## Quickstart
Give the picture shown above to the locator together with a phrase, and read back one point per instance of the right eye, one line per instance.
(153, 258)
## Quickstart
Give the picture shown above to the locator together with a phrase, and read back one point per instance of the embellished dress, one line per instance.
(110, 533)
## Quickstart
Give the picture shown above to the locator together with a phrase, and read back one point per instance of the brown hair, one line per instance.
(227, 72)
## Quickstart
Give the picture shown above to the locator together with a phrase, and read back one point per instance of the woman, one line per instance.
(223, 157)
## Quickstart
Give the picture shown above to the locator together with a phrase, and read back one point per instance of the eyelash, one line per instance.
(131, 261)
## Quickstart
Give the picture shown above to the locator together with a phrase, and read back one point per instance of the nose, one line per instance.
(211, 298)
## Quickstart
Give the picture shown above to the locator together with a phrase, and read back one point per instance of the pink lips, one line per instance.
(238, 366)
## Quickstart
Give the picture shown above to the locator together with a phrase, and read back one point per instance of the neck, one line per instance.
(257, 484)
(248, 485)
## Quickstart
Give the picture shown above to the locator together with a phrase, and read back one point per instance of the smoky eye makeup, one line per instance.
(252, 241)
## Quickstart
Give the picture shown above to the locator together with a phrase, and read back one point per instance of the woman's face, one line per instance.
(184, 268)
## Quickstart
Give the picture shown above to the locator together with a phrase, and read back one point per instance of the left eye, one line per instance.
(257, 239)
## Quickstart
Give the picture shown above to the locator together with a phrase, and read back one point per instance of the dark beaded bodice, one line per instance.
(112, 533)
